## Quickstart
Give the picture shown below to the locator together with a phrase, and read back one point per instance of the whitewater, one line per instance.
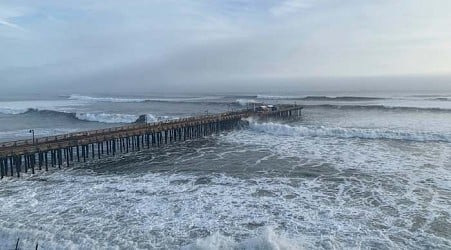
(357, 171)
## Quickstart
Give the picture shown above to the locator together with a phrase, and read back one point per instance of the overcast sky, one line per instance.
(206, 43)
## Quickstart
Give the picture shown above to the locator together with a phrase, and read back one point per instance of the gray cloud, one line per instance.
(215, 44)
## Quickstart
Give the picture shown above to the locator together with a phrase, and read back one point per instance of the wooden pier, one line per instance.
(61, 150)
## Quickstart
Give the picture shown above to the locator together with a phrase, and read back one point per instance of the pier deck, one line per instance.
(25, 155)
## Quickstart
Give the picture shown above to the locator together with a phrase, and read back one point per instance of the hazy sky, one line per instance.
(157, 43)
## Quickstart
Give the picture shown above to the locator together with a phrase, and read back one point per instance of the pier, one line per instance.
(62, 150)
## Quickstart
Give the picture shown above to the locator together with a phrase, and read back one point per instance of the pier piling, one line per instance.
(123, 139)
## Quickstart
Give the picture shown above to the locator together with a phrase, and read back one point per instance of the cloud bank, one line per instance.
(204, 44)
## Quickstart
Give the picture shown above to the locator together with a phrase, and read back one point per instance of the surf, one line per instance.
(348, 133)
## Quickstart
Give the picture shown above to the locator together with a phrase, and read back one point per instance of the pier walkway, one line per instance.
(59, 150)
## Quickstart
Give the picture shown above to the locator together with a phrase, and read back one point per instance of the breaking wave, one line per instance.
(138, 100)
(104, 99)
(341, 98)
(54, 113)
(121, 118)
(12, 111)
(20, 107)
(320, 98)
(277, 97)
(443, 99)
(380, 107)
(245, 102)
(269, 239)
(339, 132)
(98, 117)
(107, 118)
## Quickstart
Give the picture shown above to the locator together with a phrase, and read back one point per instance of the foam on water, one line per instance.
(333, 195)
(107, 118)
(119, 118)
(320, 98)
(104, 99)
(363, 133)
(387, 107)
(275, 97)
(97, 116)
(160, 211)
(267, 240)
(19, 107)
(336, 179)
(131, 100)
(245, 102)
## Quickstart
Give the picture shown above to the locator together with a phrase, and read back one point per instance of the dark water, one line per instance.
(353, 173)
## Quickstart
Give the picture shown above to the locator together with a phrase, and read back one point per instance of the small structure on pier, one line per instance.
(27, 155)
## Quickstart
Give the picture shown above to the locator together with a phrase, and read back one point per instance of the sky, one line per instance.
(164, 45)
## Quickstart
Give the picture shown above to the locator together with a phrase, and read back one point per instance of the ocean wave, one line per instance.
(104, 99)
(241, 96)
(277, 97)
(46, 112)
(341, 98)
(443, 99)
(121, 118)
(245, 102)
(131, 100)
(339, 132)
(269, 239)
(12, 111)
(107, 118)
(380, 107)
(99, 116)
(19, 107)
(320, 98)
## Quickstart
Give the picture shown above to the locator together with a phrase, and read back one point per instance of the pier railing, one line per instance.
(58, 150)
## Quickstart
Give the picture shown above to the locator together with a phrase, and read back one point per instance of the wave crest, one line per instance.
(107, 118)
(99, 117)
(12, 111)
(104, 99)
(320, 98)
(362, 133)
(245, 102)
(269, 239)
(138, 100)
(380, 107)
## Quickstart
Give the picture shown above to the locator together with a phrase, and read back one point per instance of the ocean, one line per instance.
(356, 171)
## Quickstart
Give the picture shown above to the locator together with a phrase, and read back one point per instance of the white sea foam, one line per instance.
(200, 208)
(12, 110)
(267, 240)
(104, 99)
(245, 102)
(151, 118)
(19, 107)
(271, 187)
(125, 100)
(339, 132)
(107, 118)
(275, 97)
(165, 211)
(118, 118)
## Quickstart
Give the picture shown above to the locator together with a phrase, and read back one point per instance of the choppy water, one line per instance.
(353, 173)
